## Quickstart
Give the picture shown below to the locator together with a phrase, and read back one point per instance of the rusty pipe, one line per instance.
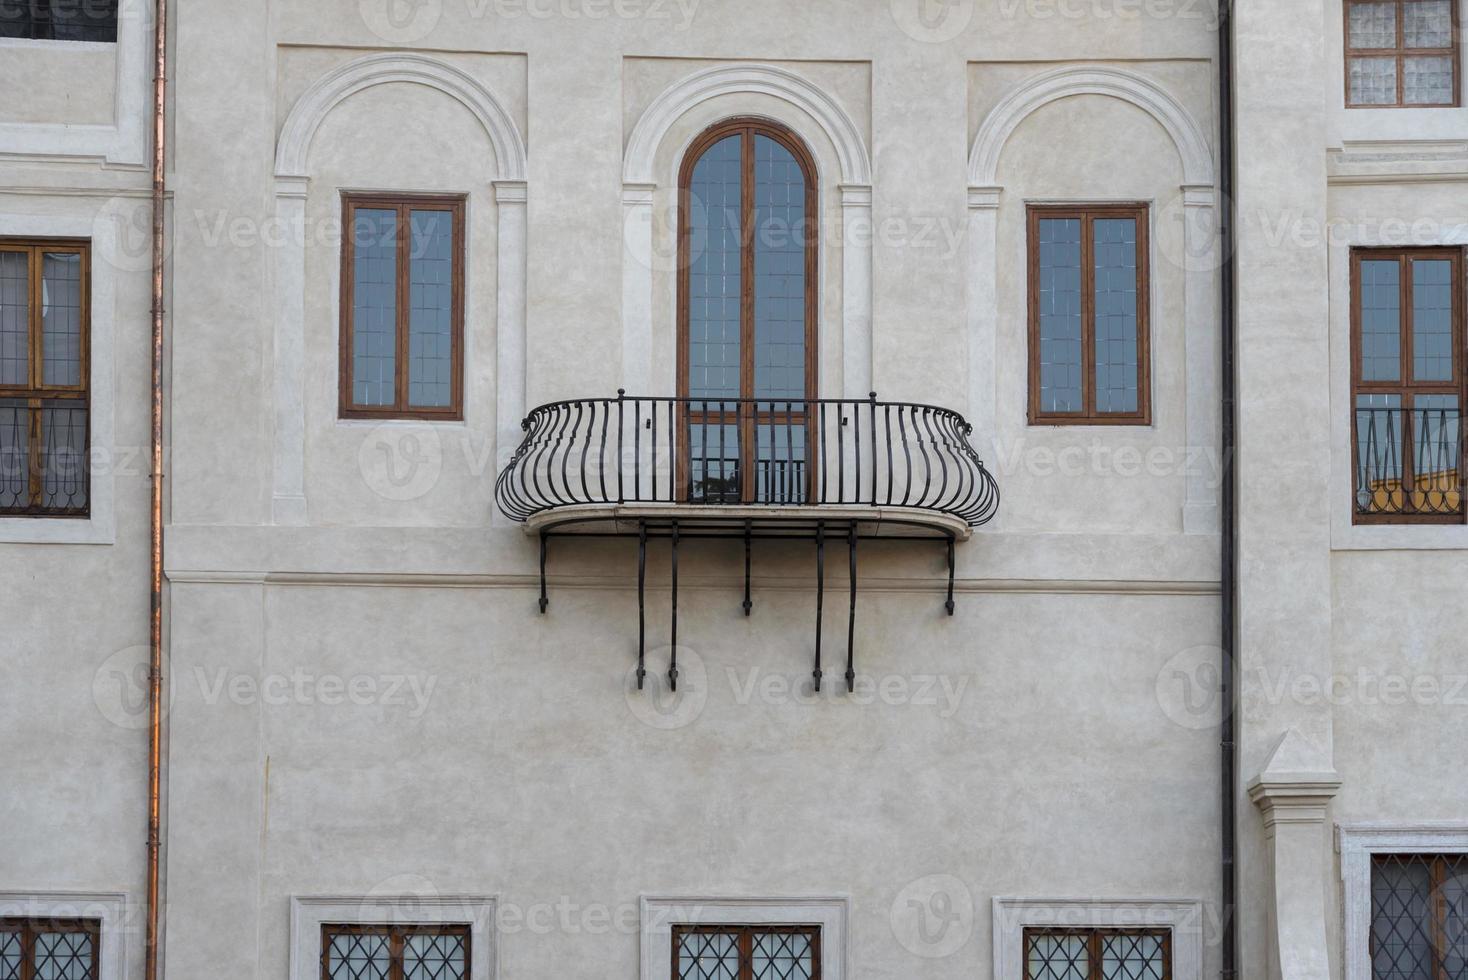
(155, 609)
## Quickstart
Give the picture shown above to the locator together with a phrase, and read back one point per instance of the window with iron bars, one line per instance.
(417, 952)
(1419, 917)
(59, 20)
(764, 952)
(1098, 954)
(50, 949)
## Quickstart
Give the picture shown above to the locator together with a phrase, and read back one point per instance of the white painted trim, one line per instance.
(84, 219)
(109, 907)
(507, 170)
(1357, 842)
(641, 180)
(1118, 83)
(310, 913)
(1184, 917)
(1345, 535)
(125, 140)
(660, 914)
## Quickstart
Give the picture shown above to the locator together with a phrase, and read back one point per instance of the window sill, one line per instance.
(56, 530)
(1347, 536)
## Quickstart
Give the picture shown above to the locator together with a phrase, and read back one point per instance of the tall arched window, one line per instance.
(747, 314)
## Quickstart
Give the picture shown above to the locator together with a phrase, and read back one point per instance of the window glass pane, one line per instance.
(15, 328)
(1381, 320)
(1057, 957)
(1428, 80)
(1373, 25)
(779, 271)
(10, 951)
(714, 274)
(714, 453)
(1427, 24)
(1401, 948)
(781, 956)
(1373, 81)
(431, 309)
(1060, 315)
(63, 455)
(374, 306)
(708, 956)
(62, 956)
(1132, 957)
(1378, 453)
(358, 956)
(1432, 320)
(1115, 255)
(63, 20)
(1454, 894)
(14, 454)
(1436, 454)
(61, 318)
(780, 466)
(434, 957)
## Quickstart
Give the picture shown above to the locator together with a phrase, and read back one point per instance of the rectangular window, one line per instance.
(43, 378)
(59, 20)
(1088, 315)
(1098, 954)
(732, 952)
(419, 952)
(1407, 385)
(1401, 53)
(402, 307)
(1419, 917)
(50, 949)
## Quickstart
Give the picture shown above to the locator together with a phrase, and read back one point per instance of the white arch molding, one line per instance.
(1198, 199)
(640, 180)
(506, 175)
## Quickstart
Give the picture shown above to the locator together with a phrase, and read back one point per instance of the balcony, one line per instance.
(822, 470)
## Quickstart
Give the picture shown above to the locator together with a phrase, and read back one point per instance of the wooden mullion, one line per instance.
(746, 953)
(396, 942)
(1093, 953)
(37, 321)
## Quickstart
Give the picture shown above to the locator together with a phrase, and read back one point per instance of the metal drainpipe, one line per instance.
(155, 611)
(1228, 661)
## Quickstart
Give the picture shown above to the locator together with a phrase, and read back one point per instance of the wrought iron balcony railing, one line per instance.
(721, 452)
(1409, 462)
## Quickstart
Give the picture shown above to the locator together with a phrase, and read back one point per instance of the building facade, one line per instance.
(843, 488)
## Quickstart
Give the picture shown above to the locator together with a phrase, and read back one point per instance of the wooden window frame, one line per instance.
(1093, 938)
(396, 936)
(1399, 54)
(28, 927)
(36, 391)
(401, 409)
(1405, 387)
(746, 943)
(748, 420)
(1087, 214)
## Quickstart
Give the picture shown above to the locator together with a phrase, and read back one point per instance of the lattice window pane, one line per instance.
(1373, 81)
(1432, 320)
(779, 271)
(1060, 315)
(374, 306)
(782, 956)
(1427, 24)
(61, 20)
(61, 319)
(358, 956)
(715, 271)
(431, 308)
(1114, 252)
(1453, 895)
(1401, 944)
(708, 956)
(429, 957)
(1373, 25)
(1058, 957)
(15, 318)
(1427, 80)
(12, 954)
(1381, 320)
(1127, 956)
(62, 956)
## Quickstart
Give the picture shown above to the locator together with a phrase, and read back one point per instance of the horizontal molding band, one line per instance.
(628, 583)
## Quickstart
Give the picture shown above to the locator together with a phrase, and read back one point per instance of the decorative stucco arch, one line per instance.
(641, 180)
(1195, 201)
(506, 173)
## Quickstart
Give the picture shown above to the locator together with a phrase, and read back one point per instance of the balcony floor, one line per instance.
(720, 520)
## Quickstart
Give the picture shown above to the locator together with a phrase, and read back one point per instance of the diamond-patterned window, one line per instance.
(1419, 917)
(732, 952)
(50, 949)
(370, 952)
(1401, 53)
(1098, 954)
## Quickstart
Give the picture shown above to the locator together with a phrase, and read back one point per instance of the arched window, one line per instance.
(747, 314)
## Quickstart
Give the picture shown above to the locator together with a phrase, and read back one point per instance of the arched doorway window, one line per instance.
(747, 315)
